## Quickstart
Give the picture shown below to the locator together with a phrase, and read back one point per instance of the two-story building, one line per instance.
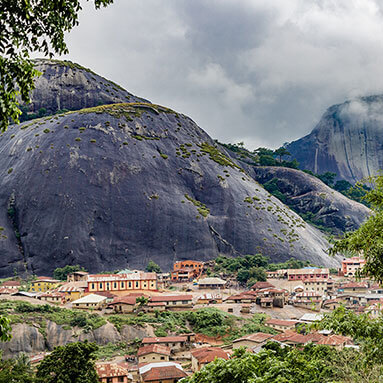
(43, 284)
(121, 284)
(153, 353)
(113, 373)
(186, 271)
(350, 266)
(175, 343)
(307, 273)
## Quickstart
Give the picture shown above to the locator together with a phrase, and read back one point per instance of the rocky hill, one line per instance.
(312, 199)
(348, 140)
(114, 186)
(64, 85)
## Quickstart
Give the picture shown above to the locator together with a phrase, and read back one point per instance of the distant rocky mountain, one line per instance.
(348, 140)
(114, 186)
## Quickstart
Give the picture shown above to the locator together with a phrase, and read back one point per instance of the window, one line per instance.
(122, 285)
(137, 284)
(162, 358)
(109, 380)
(92, 286)
(115, 285)
(100, 285)
(121, 379)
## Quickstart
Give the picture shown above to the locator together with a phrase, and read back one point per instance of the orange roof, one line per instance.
(163, 373)
(165, 339)
(208, 354)
(153, 348)
(258, 337)
(110, 370)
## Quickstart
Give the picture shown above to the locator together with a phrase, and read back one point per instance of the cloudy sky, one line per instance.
(258, 71)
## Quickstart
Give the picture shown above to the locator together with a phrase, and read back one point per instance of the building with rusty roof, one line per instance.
(113, 373)
(202, 356)
(164, 372)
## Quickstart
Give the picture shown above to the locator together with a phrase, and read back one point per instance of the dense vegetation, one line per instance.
(313, 363)
(250, 269)
(368, 239)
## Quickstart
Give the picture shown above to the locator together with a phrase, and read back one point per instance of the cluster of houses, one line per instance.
(170, 358)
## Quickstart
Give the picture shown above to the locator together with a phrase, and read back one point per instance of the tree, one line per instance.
(73, 363)
(30, 26)
(5, 329)
(368, 239)
(281, 152)
(17, 370)
(61, 273)
(152, 267)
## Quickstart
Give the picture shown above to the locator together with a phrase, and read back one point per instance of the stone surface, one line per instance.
(348, 141)
(106, 188)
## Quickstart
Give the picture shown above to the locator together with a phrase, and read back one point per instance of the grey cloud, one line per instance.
(258, 71)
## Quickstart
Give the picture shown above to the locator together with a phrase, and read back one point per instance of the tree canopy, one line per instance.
(153, 267)
(368, 239)
(61, 273)
(30, 26)
(73, 363)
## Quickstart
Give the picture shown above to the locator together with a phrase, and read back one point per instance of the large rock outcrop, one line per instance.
(64, 85)
(30, 339)
(115, 186)
(309, 196)
(348, 141)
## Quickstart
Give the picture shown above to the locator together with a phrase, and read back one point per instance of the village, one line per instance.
(291, 300)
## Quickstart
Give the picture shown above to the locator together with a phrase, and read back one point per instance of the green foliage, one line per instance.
(30, 27)
(17, 370)
(61, 273)
(292, 263)
(201, 208)
(369, 237)
(217, 156)
(5, 329)
(273, 364)
(73, 363)
(152, 267)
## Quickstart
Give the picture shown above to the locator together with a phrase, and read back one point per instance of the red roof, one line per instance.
(258, 337)
(156, 304)
(10, 283)
(153, 348)
(106, 294)
(208, 354)
(128, 300)
(163, 373)
(171, 298)
(165, 339)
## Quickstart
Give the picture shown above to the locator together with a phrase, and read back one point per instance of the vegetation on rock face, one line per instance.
(153, 267)
(201, 208)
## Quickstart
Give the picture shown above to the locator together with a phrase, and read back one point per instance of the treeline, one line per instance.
(249, 269)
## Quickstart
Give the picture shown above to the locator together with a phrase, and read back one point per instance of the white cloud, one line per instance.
(256, 70)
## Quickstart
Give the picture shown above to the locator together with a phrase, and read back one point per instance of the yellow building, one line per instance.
(43, 284)
(73, 290)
